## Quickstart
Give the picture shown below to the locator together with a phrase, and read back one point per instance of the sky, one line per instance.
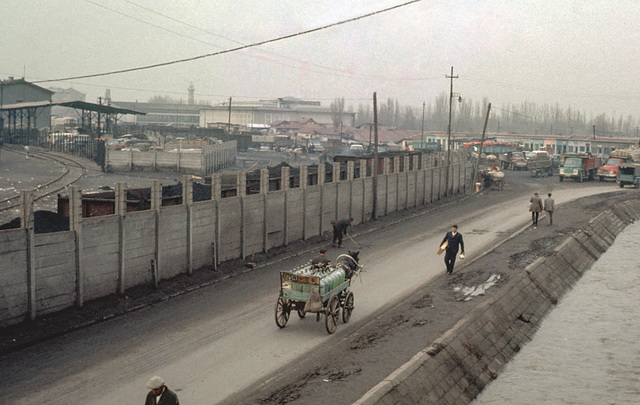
(582, 54)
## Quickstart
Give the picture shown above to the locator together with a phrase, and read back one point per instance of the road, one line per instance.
(222, 339)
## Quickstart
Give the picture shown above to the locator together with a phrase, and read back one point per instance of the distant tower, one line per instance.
(192, 89)
(107, 96)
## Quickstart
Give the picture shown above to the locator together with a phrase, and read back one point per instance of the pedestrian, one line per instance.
(535, 208)
(454, 243)
(339, 229)
(321, 259)
(549, 207)
(160, 394)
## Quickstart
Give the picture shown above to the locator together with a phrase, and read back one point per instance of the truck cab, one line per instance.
(579, 167)
(610, 169)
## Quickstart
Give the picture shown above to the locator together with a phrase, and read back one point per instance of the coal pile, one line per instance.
(43, 222)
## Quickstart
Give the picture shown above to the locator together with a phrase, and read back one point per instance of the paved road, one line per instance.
(219, 340)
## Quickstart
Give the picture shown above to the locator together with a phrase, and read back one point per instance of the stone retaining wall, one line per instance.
(458, 365)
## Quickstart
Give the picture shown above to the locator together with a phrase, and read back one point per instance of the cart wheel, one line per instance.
(332, 312)
(283, 309)
(347, 308)
(301, 313)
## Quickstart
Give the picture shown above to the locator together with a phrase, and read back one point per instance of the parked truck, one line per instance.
(610, 169)
(579, 167)
(539, 163)
(618, 157)
(513, 161)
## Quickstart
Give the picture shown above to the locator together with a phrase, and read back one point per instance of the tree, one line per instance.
(337, 110)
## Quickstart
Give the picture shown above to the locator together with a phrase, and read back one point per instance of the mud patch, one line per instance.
(426, 301)
(541, 247)
(383, 332)
(291, 392)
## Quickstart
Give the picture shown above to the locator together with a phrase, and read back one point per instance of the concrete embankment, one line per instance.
(456, 367)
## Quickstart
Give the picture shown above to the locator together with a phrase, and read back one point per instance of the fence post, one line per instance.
(120, 210)
(26, 223)
(156, 206)
(75, 225)
(285, 179)
(385, 172)
(335, 179)
(216, 194)
(241, 187)
(322, 175)
(304, 182)
(187, 200)
(264, 189)
(350, 174)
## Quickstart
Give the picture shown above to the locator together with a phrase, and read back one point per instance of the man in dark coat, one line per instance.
(160, 394)
(454, 243)
(339, 229)
(321, 259)
(536, 208)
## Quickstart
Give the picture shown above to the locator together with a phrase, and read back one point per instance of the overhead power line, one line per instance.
(239, 48)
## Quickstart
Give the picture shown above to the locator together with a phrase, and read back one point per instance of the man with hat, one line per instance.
(160, 394)
(340, 228)
(454, 243)
(321, 260)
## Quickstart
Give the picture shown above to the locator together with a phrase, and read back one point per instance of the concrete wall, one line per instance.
(104, 255)
(204, 161)
(458, 365)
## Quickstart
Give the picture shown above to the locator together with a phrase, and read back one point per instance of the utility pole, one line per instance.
(422, 140)
(484, 130)
(448, 160)
(375, 155)
(229, 123)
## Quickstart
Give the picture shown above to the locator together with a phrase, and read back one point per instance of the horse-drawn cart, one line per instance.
(321, 290)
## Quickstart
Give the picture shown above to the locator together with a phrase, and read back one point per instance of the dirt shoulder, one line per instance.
(342, 373)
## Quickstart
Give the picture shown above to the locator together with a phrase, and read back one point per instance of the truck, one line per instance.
(628, 174)
(513, 161)
(579, 167)
(610, 169)
(539, 163)
(618, 157)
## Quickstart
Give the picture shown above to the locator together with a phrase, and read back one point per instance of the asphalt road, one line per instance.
(222, 339)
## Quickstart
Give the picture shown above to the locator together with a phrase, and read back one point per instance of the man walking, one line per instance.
(454, 243)
(549, 207)
(535, 208)
(339, 229)
(160, 394)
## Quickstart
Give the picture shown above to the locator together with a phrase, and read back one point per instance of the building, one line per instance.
(16, 91)
(266, 112)
(165, 114)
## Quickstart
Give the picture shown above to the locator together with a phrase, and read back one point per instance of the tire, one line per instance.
(347, 308)
(331, 314)
(621, 185)
(601, 178)
(561, 179)
(283, 309)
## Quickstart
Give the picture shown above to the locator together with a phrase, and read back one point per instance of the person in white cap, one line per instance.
(160, 394)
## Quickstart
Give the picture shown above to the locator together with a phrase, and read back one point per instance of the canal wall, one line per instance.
(456, 367)
(100, 256)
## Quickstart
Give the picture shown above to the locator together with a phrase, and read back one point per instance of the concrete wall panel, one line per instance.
(55, 263)
(230, 223)
(13, 276)
(172, 241)
(139, 230)
(275, 220)
(100, 240)
(295, 213)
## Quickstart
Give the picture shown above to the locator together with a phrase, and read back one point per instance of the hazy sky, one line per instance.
(582, 54)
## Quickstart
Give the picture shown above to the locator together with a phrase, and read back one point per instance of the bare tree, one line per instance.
(337, 110)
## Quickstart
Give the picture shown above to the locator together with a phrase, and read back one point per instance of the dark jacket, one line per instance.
(454, 243)
(168, 398)
(341, 226)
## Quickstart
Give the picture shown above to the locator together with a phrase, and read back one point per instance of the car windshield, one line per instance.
(517, 155)
(573, 162)
(613, 162)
